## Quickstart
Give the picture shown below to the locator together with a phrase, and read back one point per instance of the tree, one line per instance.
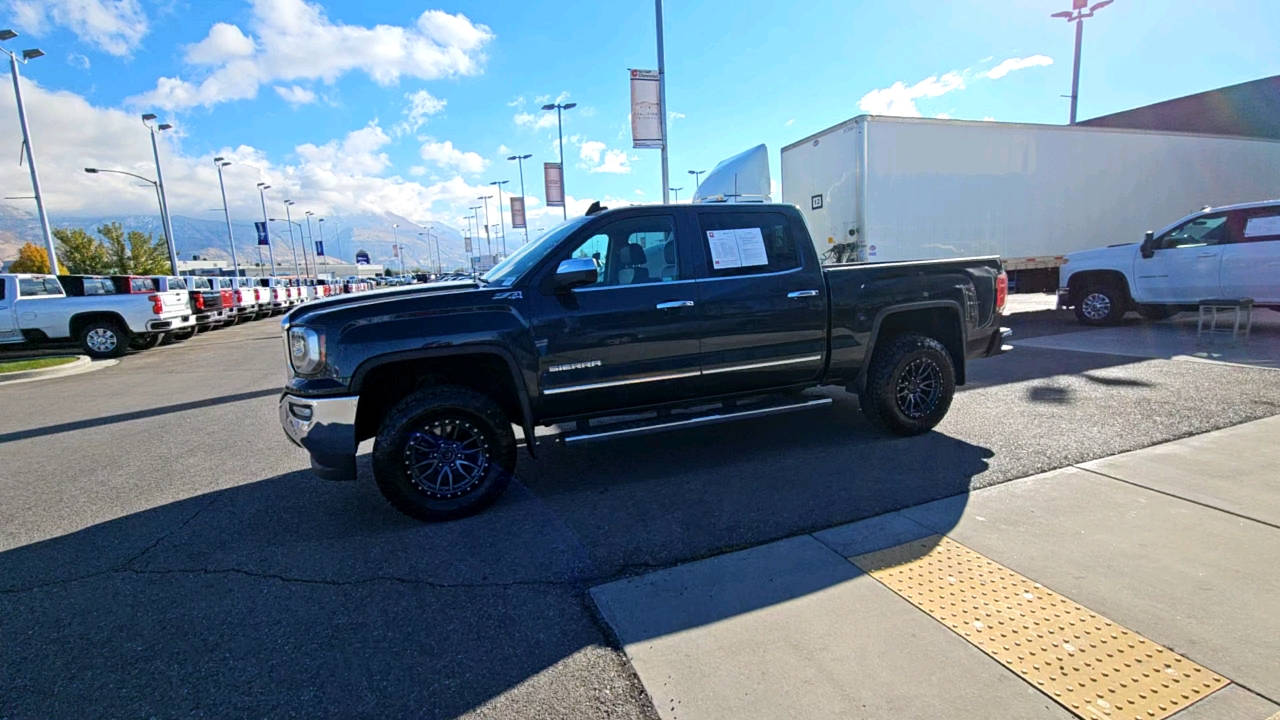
(135, 254)
(81, 253)
(31, 259)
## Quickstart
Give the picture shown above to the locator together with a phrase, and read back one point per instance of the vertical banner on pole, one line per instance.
(553, 177)
(517, 213)
(319, 248)
(646, 110)
(467, 242)
(264, 238)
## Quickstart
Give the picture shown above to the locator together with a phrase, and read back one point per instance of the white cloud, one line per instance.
(417, 170)
(113, 26)
(295, 95)
(357, 154)
(615, 161)
(504, 150)
(899, 99)
(421, 105)
(943, 116)
(294, 40)
(517, 102)
(542, 121)
(591, 150)
(76, 60)
(673, 116)
(790, 122)
(446, 155)
(1012, 64)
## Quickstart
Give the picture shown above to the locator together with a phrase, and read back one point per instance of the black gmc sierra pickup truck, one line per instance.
(622, 322)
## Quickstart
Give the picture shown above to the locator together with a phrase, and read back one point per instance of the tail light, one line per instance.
(239, 298)
(199, 301)
(1002, 290)
(157, 305)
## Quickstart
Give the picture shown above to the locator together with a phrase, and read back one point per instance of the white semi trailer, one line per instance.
(877, 189)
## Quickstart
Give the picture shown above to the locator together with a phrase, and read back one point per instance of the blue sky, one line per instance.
(318, 97)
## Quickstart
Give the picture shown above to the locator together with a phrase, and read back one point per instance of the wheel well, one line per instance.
(386, 385)
(1081, 280)
(941, 324)
(79, 321)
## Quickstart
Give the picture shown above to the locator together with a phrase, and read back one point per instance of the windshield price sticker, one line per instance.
(1262, 226)
(743, 247)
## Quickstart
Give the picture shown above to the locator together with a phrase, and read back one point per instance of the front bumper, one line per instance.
(1064, 298)
(326, 428)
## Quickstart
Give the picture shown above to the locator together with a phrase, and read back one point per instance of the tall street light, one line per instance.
(165, 219)
(1080, 10)
(27, 56)
(560, 134)
(226, 212)
(266, 223)
(520, 162)
(288, 205)
(315, 251)
(677, 193)
(487, 244)
(696, 174)
(662, 101)
(501, 223)
(155, 185)
(293, 248)
(395, 233)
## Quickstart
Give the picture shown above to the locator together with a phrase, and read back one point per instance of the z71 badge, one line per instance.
(513, 295)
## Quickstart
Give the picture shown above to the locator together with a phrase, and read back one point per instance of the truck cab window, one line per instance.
(1208, 230)
(1261, 225)
(633, 251)
(738, 253)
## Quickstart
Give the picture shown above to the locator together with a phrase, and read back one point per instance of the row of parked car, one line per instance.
(108, 315)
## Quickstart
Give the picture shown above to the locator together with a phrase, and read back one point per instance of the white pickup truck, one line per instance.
(100, 313)
(1230, 252)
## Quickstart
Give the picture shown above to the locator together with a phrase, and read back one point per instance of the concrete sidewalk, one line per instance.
(1174, 548)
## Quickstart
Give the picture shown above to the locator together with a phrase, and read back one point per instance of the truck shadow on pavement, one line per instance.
(291, 596)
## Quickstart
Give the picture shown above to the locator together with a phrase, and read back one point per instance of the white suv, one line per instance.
(1226, 252)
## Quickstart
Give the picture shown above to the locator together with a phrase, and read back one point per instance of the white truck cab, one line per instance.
(1228, 252)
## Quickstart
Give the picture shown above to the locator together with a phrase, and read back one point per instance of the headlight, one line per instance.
(306, 350)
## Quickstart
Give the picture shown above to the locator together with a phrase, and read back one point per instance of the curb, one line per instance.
(81, 364)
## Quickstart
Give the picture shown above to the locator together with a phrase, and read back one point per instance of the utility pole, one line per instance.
(558, 107)
(487, 243)
(502, 226)
(28, 55)
(288, 205)
(662, 103)
(1079, 12)
(226, 211)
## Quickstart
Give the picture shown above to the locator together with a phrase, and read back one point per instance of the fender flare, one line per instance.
(859, 383)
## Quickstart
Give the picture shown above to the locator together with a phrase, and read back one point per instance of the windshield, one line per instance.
(518, 263)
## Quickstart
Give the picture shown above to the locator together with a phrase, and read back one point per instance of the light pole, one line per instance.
(520, 163)
(288, 205)
(155, 185)
(1080, 10)
(487, 244)
(147, 119)
(315, 251)
(226, 212)
(27, 56)
(292, 247)
(560, 134)
(271, 251)
(677, 192)
(395, 233)
(696, 174)
(662, 101)
(501, 224)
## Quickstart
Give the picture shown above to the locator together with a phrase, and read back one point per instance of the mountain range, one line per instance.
(344, 235)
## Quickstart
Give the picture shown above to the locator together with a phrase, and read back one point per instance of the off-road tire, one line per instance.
(411, 421)
(894, 365)
(102, 339)
(1101, 303)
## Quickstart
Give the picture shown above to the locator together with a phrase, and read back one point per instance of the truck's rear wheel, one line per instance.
(444, 453)
(909, 385)
(145, 342)
(1101, 303)
(102, 339)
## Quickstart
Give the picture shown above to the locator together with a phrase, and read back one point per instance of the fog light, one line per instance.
(302, 412)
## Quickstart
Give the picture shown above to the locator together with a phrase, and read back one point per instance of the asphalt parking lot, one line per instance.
(163, 551)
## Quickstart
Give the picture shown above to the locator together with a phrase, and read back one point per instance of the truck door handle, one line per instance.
(675, 304)
(803, 294)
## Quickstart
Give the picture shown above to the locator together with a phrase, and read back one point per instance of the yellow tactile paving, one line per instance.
(1090, 665)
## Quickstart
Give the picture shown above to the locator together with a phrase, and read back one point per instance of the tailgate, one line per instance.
(174, 302)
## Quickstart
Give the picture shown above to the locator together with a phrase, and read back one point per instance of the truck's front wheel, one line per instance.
(444, 453)
(1101, 303)
(909, 385)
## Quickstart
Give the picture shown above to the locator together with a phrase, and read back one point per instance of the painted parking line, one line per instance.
(1092, 666)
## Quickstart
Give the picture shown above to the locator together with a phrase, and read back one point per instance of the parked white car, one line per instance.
(1230, 252)
(99, 314)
